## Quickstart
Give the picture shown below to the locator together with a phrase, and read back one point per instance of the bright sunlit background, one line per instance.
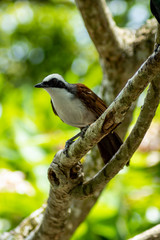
(38, 39)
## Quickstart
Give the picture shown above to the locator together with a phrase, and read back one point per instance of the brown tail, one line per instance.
(109, 145)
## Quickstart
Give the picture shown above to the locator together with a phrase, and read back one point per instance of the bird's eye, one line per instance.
(52, 82)
(49, 83)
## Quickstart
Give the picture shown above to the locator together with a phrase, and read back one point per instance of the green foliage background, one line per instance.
(37, 39)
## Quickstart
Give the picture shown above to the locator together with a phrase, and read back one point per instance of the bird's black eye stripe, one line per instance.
(54, 82)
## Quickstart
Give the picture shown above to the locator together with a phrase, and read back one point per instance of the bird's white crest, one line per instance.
(54, 75)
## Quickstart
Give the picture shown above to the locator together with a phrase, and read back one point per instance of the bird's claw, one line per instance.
(70, 141)
(83, 131)
(67, 145)
(156, 47)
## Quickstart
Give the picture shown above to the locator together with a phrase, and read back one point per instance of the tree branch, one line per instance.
(65, 174)
(126, 151)
(119, 60)
(121, 51)
(99, 22)
(114, 114)
(151, 234)
(26, 226)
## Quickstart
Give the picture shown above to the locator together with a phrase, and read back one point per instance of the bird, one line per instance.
(155, 9)
(78, 106)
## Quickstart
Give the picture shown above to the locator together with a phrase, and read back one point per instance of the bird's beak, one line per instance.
(42, 85)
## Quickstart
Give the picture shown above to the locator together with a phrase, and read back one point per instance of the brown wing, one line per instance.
(110, 144)
(54, 110)
(91, 100)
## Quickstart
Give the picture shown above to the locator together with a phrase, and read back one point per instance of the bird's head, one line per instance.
(52, 81)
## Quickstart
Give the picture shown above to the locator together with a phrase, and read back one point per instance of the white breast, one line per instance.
(69, 108)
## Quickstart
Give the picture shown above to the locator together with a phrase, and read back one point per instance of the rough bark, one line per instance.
(121, 53)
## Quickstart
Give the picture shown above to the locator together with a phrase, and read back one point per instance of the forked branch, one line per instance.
(61, 176)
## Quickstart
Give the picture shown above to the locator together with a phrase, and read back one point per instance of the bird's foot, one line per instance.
(156, 47)
(71, 140)
(83, 131)
(67, 145)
